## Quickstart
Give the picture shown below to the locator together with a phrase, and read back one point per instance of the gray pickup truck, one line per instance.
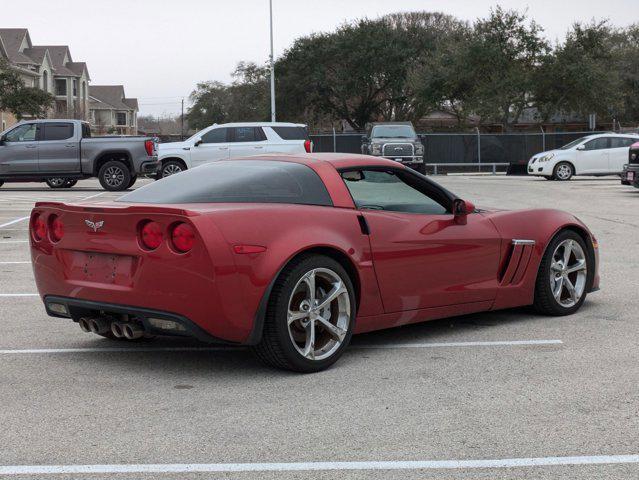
(60, 152)
(395, 140)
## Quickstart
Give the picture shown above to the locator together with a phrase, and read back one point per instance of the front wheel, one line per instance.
(171, 168)
(563, 171)
(57, 182)
(310, 316)
(565, 273)
(114, 176)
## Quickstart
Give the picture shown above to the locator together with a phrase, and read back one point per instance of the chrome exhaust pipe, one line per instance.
(84, 325)
(132, 331)
(116, 330)
(98, 325)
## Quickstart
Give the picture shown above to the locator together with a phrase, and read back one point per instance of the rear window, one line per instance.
(240, 181)
(57, 131)
(291, 133)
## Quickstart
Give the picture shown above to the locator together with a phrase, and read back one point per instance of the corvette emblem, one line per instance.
(94, 225)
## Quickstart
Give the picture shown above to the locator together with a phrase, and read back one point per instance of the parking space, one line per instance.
(496, 395)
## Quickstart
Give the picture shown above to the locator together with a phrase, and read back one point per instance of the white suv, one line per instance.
(601, 154)
(233, 140)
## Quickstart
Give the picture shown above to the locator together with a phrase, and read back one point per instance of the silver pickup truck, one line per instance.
(60, 152)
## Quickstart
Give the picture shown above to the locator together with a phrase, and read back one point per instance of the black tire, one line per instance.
(114, 176)
(559, 175)
(70, 182)
(276, 347)
(1, 183)
(57, 182)
(133, 180)
(170, 168)
(544, 301)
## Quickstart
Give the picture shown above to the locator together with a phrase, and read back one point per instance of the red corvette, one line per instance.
(294, 254)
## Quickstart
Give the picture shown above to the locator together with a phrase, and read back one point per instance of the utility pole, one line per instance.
(270, 5)
(182, 121)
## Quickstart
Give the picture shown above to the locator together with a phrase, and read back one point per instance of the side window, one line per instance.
(260, 136)
(57, 131)
(392, 191)
(217, 135)
(86, 130)
(244, 134)
(597, 144)
(23, 133)
(620, 142)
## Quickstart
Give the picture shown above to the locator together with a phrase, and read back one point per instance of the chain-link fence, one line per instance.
(487, 149)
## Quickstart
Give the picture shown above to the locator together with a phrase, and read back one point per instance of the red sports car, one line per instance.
(294, 254)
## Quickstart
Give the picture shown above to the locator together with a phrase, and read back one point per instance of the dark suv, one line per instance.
(630, 175)
(396, 141)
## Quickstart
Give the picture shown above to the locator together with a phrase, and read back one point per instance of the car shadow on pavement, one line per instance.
(175, 357)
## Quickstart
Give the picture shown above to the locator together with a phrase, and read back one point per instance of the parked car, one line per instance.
(233, 140)
(284, 253)
(395, 141)
(60, 152)
(630, 175)
(601, 154)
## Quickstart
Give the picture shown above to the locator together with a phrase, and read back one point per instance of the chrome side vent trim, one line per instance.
(518, 262)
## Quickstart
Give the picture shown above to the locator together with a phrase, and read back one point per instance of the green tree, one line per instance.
(580, 76)
(503, 55)
(19, 99)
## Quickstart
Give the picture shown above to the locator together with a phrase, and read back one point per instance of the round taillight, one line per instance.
(183, 237)
(39, 228)
(56, 228)
(151, 235)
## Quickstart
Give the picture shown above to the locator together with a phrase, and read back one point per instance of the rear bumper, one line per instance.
(78, 308)
(149, 167)
(630, 175)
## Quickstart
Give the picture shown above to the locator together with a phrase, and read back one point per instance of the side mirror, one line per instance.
(198, 142)
(581, 148)
(2, 140)
(462, 208)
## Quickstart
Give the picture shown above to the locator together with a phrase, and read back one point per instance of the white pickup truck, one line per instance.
(233, 140)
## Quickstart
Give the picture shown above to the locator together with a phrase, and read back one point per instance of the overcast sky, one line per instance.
(160, 49)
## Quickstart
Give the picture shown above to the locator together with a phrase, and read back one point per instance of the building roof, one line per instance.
(58, 54)
(131, 102)
(12, 39)
(79, 68)
(111, 95)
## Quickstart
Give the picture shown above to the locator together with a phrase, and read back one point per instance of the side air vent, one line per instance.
(518, 262)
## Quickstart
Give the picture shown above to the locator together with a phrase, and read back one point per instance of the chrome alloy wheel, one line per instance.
(57, 182)
(568, 273)
(114, 176)
(170, 169)
(319, 314)
(564, 172)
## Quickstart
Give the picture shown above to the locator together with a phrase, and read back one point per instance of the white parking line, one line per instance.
(14, 241)
(32, 351)
(13, 263)
(92, 196)
(14, 221)
(19, 295)
(463, 344)
(318, 466)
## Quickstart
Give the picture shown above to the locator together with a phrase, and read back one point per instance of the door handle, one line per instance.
(259, 146)
(223, 148)
(70, 145)
(30, 146)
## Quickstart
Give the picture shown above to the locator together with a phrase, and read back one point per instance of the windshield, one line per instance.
(574, 143)
(393, 131)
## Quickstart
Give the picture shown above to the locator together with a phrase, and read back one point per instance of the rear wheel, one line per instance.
(563, 277)
(310, 316)
(114, 176)
(563, 171)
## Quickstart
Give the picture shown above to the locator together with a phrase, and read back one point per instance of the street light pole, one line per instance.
(270, 4)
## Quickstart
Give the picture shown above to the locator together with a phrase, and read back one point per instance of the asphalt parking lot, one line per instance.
(493, 396)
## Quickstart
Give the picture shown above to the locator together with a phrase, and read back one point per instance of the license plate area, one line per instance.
(630, 176)
(103, 268)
